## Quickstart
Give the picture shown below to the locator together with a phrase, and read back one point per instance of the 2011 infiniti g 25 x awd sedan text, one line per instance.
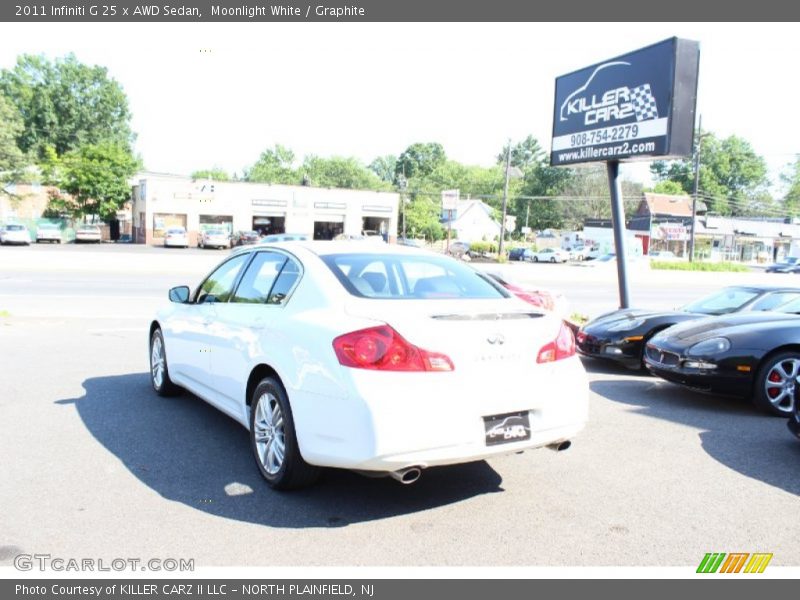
(385, 360)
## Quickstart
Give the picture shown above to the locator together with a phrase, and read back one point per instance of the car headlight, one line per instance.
(626, 325)
(712, 346)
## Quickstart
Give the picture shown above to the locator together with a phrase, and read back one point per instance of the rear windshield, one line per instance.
(410, 277)
(15, 228)
(176, 230)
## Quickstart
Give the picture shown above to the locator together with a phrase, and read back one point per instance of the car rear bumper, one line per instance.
(390, 421)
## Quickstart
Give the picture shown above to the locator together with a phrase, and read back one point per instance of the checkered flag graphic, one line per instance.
(644, 104)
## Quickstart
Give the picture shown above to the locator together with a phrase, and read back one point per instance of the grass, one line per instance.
(700, 266)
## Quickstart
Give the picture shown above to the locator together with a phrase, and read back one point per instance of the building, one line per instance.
(161, 201)
(664, 222)
(472, 221)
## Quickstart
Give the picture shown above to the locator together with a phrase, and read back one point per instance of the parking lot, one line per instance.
(97, 465)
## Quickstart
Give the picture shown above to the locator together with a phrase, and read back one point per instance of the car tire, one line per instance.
(774, 390)
(553, 260)
(273, 439)
(535, 259)
(159, 370)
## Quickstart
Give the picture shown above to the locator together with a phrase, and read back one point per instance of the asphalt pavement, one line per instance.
(96, 465)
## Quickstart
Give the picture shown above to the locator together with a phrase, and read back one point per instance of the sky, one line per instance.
(214, 94)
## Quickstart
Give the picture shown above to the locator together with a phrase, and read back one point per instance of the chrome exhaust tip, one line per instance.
(406, 476)
(560, 446)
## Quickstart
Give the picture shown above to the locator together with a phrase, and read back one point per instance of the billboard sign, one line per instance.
(635, 106)
(450, 199)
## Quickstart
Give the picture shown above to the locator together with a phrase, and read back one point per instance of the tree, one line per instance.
(214, 173)
(667, 186)
(791, 201)
(275, 165)
(66, 105)
(12, 159)
(525, 155)
(96, 178)
(339, 172)
(385, 167)
(733, 178)
(420, 160)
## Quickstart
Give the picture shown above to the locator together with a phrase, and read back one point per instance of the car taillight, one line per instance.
(383, 349)
(561, 347)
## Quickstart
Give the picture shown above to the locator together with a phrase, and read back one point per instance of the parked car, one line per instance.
(368, 357)
(410, 242)
(521, 254)
(579, 253)
(176, 237)
(790, 264)
(552, 255)
(49, 232)
(458, 249)
(621, 335)
(753, 355)
(88, 234)
(285, 237)
(246, 238)
(663, 255)
(214, 238)
(543, 298)
(15, 234)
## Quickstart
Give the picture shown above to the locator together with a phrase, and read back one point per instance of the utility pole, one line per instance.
(697, 144)
(505, 202)
(402, 183)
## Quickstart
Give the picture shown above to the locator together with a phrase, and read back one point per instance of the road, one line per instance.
(96, 465)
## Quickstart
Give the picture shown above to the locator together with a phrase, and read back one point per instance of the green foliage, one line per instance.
(667, 186)
(422, 218)
(215, 174)
(66, 105)
(275, 165)
(96, 178)
(420, 160)
(526, 155)
(12, 159)
(733, 178)
(340, 172)
(699, 266)
(791, 201)
(385, 167)
(483, 247)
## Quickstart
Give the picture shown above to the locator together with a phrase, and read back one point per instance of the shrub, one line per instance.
(699, 266)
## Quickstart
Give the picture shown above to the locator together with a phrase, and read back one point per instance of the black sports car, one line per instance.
(621, 335)
(791, 264)
(749, 355)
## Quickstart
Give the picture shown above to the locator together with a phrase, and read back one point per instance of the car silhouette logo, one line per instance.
(496, 338)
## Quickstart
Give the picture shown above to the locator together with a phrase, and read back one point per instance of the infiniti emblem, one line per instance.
(496, 338)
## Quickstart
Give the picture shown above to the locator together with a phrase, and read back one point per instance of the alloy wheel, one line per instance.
(269, 433)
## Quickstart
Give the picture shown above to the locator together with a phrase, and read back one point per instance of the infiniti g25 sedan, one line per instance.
(381, 359)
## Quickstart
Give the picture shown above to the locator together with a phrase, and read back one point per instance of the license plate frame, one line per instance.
(507, 428)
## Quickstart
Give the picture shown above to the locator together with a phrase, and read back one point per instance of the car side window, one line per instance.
(259, 278)
(218, 286)
(285, 282)
(773, 301)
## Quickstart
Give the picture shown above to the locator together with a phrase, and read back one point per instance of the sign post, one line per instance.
(634, 107)
(449, 204)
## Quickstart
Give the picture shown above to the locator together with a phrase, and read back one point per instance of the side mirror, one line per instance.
(179, 294)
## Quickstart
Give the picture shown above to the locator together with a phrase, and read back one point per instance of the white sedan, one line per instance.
(15, 234)
(380, 359)
(552, 255)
